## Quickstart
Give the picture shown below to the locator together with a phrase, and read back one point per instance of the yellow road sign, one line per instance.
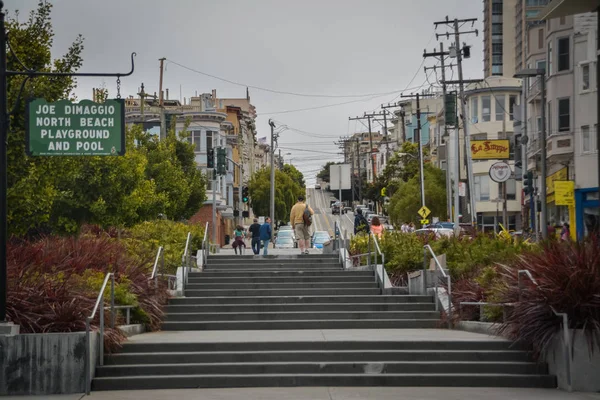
(424, 212)
(424, 221)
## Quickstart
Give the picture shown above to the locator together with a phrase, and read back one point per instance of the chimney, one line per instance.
(214, 97)
(167, 93)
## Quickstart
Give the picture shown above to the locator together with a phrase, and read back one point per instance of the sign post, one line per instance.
(500, 172)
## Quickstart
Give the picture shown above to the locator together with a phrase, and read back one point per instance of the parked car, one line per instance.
(371, 215)
(437, 232)
(284, 242)
(347, 209)
(319, 238)
(318, 187)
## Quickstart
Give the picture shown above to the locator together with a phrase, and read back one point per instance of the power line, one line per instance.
(280, 91)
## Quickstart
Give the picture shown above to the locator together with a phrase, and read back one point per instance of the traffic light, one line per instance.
(210, 158)
(528, 183)
(221, 161)
(245, 194)
(466, 51)
(450, 109)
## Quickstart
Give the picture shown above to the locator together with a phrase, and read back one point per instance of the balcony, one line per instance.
(560, 146)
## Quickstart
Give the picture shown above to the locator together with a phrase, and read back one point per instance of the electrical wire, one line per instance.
(281, 91)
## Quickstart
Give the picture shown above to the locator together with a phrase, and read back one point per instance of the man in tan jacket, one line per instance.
(301, 230)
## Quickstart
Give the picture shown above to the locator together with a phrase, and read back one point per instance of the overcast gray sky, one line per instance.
(313, 47)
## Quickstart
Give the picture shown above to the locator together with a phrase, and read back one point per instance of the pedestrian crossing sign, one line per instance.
(424, 221)
(424, 212)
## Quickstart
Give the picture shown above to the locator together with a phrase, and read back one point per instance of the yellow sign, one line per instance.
(424, 212)
(490, 149)
(424, 221)
(383, 192)
(560, 175)
(564, 193)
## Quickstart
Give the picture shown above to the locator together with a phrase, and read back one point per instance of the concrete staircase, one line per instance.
(307, 292)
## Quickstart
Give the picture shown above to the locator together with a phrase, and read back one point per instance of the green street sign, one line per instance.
(64, 128)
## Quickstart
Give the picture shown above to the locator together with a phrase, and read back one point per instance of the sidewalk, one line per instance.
(330, 393)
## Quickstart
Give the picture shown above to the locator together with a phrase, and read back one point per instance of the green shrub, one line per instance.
(143, 240)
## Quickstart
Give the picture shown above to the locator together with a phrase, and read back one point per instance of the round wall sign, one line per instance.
(500, 172)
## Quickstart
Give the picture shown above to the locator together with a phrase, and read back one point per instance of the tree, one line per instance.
(405, 203)
(324, 173)
(296, 175)
(32, 181)
(286, 193)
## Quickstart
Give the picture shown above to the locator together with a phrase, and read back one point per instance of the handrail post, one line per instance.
(369, 254)
(101, 352)
(87, 357)
(449, 302)
(425, 271)
(382, 272)
(112, 300)
(567, 350)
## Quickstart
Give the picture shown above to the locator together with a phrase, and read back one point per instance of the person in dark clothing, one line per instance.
(360, 222)
(255, 232)
(265, 235)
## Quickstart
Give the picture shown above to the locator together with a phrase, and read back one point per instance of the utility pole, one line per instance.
(417, 140)
(402, 115)
(449, 187)
(358, 167)
(368, 118)
(161, 97)
(272, 197)
(461, 82)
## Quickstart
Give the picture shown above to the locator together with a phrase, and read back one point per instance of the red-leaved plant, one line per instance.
(53, 283)
(568, 281)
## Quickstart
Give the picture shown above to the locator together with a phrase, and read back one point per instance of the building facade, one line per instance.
(491, 108)
(499, 25)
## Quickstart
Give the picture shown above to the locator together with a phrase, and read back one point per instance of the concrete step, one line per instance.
(288, 380)
(300, 315)
(315, 299)
(302, 278)
(283, 285)
(301, 324)
(352, 367)
(321, 307)
(272, 271)
(323, 272)
(273, 266)
(282, 292)
(318, 356)
(345, 345)
(273, 258)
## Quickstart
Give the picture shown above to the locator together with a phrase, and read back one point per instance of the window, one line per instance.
(562, 20)
(497, 48)
(511, 140)
(585, 76)
(549, 57)
(541, 38)
(540, 64)
(209, 140)
(496, 58)
(496, 29)
(496, 8)
(564, 115)
(496, 69)
(479, 136)
(196, 139)
(549, 124)
(474, 110)
(500, 107)
(563, 54)
(511, 190)
(512, 102)
(485, 108)
(538, 121)
(586, 139)
(482, 188)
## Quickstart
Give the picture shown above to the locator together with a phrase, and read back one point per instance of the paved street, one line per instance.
(331, 393)
(324, 221)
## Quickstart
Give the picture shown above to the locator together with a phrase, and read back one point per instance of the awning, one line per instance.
(562, 8)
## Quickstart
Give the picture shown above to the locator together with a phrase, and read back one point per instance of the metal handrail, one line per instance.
(378, 250)
(88, 321)
(186, 260)
(565, 323)
(205, 246)
(445, 275)
(159, 252)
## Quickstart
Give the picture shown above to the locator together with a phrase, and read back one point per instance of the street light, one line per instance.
(532, 73)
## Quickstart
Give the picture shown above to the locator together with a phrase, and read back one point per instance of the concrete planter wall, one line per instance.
(585, 365)
(45, 363)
